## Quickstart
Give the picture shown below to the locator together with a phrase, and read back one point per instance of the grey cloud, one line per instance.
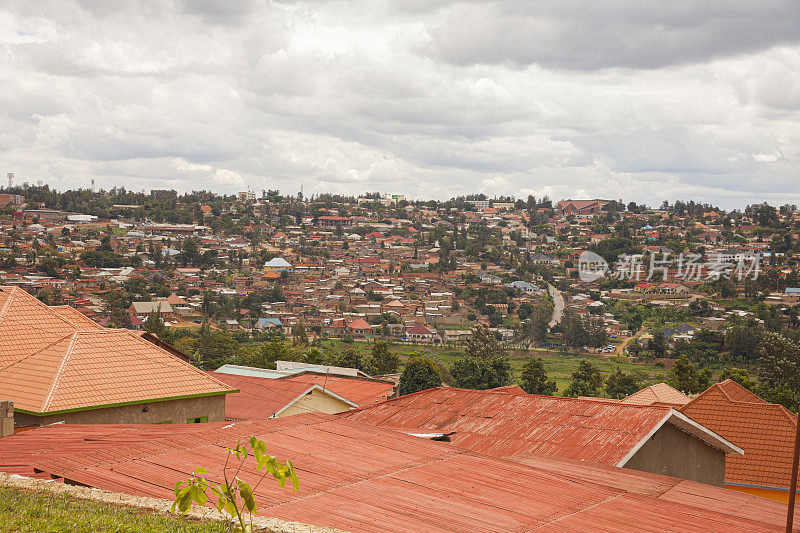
(601, 34)
(505, 98)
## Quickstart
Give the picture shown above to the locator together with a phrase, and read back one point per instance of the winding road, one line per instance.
(558, 305)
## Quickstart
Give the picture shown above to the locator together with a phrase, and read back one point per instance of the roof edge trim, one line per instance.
(683, 422)
(328, 392)
(122, 404)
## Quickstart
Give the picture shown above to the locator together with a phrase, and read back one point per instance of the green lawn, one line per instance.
(22, 510)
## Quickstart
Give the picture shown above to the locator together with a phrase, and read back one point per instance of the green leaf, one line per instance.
(221, 501)
(185, 502)
(199, 495)
(247, 496)
(200, 470)
(177, 487)
(230, 508)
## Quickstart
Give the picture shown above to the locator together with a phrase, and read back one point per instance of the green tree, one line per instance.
(420, 374)
(349, 358)
(658, 344)
(267, 354)
(620, 385)
(686, 378)
(383, 360)
(534, 379)
(586, 381)
(481, 374)
(484, 345)
(299, 335)
(779, 370)
(215, 348)
(740, 376)
(155, 324)
(742, 341)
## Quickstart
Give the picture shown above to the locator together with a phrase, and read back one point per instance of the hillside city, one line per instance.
(392, 349)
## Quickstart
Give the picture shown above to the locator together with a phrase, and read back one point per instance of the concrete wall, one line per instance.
(675, 453)
(174, 411)
(316, 402)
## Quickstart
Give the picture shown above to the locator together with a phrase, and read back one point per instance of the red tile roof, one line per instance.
(52, 361)
(357, 477)
(359, 323)
(504, 425)
(763, 430)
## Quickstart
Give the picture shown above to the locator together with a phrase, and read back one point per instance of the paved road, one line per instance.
(558, 305)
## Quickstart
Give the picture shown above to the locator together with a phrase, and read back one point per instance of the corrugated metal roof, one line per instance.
(363, 478)
(503, 425)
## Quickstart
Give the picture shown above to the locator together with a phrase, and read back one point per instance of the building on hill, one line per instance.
(651, 438)
(358, 477)
(765, 432)
(58, 366)
(581, 207)
(142, 310)
(277, 264)
(360, 328)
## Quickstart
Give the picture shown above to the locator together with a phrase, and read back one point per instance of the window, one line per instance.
(198, 420)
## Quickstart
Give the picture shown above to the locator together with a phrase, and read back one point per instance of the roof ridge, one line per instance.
(7, 303)
(177, 359)
(57, 378)
(59, 339)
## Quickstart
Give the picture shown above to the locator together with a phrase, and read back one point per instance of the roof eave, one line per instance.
(122, 404)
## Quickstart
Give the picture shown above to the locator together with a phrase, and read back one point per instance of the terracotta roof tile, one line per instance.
(55, 360)
(660, 393)
(763, 430)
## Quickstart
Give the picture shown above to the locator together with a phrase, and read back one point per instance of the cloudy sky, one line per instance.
(642, 101)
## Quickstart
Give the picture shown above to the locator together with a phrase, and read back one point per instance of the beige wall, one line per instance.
(675, 453)
(176, 411)
(316, 402)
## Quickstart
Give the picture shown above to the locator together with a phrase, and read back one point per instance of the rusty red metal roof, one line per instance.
(358, 477)
(364, 392)
(503, 425)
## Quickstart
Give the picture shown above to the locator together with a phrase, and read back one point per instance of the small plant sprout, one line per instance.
(234, 496)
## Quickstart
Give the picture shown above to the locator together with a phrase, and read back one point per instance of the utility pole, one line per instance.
(793, 482)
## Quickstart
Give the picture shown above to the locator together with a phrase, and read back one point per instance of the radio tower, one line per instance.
(92, 184)
(10, 176)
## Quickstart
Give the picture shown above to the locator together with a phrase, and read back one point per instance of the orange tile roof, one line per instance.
(660, 393)
(76, 317)
(763, 430)
(53, 360)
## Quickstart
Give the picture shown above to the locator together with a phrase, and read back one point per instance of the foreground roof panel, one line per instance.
(359, 477)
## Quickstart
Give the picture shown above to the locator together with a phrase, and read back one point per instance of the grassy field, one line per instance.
(22, 510)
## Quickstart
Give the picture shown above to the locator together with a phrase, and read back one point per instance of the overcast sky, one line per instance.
(642, 101)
